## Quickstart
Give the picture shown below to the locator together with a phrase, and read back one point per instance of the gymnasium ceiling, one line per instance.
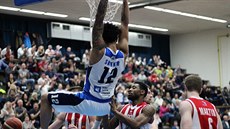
(176, 24)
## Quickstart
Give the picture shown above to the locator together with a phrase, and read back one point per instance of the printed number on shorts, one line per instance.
(55, 101)
(113, 74)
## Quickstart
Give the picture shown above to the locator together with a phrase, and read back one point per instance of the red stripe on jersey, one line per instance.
(83, 122)
(69, 118)
(77, 118)
(206, 112)
(140, 110)
(124, 108)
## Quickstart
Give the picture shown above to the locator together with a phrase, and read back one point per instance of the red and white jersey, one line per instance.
(81, 121)
(204, 114)
(132, 112)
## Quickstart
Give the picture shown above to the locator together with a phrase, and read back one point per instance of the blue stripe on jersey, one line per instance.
(109, 53)
(87, 83)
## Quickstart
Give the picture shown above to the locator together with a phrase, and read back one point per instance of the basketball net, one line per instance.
(113, 6)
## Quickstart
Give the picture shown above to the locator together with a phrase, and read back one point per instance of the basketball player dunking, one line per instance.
(107, 61)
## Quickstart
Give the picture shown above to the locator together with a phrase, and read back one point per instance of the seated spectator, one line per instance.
(3, 65)
(153, 78)
(6, 52)
(69, 54)
(158, 101)
(26, 102)
(164, 113)
(24, 77)
(31, 51)
(34, 98)
(11, 69)
(43, 65)
(175, 99)
(85, 58)
(175, 125)
(128, 77)
(7, 111)
(40, 52)
(226, 95)
(50, 52)
(142, 76)
(10, 81)
(168, 98)
(34, 114)
(58, 53)
(20, 111)
(120, 94)
(45, 83)
(28, 124)
(32, 67)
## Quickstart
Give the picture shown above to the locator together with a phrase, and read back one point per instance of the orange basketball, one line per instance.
(12, 123)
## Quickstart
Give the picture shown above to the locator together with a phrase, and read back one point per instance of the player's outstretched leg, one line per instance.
(45, 112)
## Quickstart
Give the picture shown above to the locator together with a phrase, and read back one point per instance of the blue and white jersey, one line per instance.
(102, 77)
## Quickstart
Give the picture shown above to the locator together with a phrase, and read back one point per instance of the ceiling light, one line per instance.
(31, 11)
(117, 1)
(185, 14)
(132, 25)
(55, 14)
(9, 8)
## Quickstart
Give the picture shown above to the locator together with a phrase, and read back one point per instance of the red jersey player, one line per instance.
(197, 113)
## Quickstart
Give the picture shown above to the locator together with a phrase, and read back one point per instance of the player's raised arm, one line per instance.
(98, 43)
(123, 39)
(98, 27)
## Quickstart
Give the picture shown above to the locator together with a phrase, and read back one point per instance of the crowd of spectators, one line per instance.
(27, 73)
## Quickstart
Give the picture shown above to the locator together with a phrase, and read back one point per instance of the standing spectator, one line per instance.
(21, 50)
(20, 111)
(26, 40)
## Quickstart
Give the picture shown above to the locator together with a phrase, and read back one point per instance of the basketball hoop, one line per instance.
(113, 6)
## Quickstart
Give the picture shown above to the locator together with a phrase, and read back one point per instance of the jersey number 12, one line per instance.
(113, 74)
